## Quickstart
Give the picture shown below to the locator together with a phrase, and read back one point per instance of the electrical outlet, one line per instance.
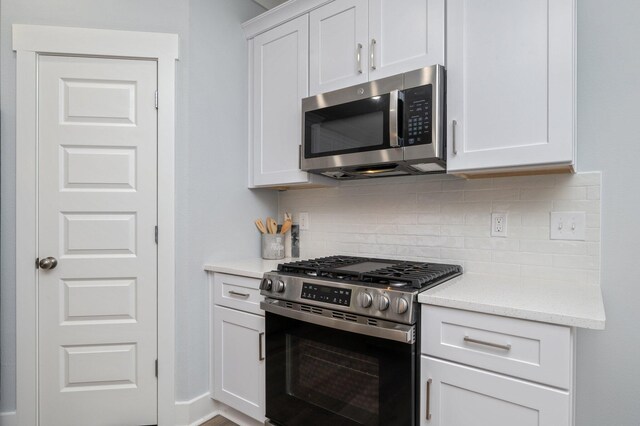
(303, 220)
(498, 224)
(568, 226)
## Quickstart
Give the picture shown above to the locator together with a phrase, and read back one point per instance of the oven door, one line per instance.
(319, 375)
(353, 126)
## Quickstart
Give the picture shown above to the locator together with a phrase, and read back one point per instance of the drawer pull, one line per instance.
(482, 342)
(428, 410)
(235, 293)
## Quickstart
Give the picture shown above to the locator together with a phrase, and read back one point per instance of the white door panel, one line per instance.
(404, 36)
(97, 153)
(459, 396)
(280, 76)
(239, 366)
(510, 83)
(338, 45)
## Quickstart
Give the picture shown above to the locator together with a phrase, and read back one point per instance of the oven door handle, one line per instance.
(398, 332)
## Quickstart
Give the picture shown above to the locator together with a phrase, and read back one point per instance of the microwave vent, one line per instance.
(427, 167)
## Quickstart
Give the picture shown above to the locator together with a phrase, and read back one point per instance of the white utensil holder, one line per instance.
(272, 246)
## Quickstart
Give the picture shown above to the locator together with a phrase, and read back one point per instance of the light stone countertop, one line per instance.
(253, 268)
(571, 304)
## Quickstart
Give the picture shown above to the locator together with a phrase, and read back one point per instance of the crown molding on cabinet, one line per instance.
(280, 14)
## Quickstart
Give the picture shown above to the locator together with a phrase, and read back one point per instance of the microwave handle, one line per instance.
(394, 107)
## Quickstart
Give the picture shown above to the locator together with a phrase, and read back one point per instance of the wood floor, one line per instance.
(219, 421)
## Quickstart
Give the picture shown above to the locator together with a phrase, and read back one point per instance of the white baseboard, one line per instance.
(202, 408)
(8, 419)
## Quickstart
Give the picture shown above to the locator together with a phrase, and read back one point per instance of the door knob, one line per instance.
(48, 263)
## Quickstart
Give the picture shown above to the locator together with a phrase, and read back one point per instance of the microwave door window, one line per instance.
(353, 127)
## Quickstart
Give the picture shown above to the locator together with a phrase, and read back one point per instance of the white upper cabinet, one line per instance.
(404, 36)
(510, 85)
(338, 45)
(355, 41)
(279, 82)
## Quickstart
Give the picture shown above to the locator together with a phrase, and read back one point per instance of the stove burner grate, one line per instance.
(398, 274)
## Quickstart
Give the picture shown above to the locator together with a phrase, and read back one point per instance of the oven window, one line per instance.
(340, 381)
(352, 127)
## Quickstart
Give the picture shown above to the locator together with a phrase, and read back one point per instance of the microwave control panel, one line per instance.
(326, 294)
(417, 115)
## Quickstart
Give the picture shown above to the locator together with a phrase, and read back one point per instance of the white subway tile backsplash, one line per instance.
(446, 219)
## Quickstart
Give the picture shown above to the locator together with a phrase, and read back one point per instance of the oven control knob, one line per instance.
(280, 286)
(383, 303)
(401, 306)
(267, 284)
(365, 299)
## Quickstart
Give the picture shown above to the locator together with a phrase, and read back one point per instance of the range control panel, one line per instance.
(417, 115)
(326, 294)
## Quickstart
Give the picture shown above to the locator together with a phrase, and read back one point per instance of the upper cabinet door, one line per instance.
(338, 45)
(279, 82)
(510, 85)
(404, 36)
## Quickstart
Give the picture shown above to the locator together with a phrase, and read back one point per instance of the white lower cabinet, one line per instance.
(458, 395)
(238, 345)
(238, 361)
(488, 370)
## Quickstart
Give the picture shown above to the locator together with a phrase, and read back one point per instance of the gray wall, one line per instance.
(214, 208)
(608, 140)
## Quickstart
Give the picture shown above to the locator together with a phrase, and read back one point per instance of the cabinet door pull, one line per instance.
(359, 57)
(260, 347)
(373, 53)
(235, 293)
(482, 342)
(454, 124)
(428, 410)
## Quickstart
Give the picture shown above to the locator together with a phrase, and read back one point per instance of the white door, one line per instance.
(280, 76)
(405, 36)
(510, 83)
(460, 396)
(338, 45)
(239, 369)
(97, 143)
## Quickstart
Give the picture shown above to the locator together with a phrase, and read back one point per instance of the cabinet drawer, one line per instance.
(526, 349)
(237, 292)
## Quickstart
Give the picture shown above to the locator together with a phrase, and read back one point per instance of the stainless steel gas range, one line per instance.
(341, 343)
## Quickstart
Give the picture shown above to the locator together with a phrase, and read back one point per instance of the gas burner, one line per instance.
(370, 271)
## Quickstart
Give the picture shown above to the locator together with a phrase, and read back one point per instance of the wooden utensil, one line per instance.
(285, 226)
(272, 225)
(260, 226)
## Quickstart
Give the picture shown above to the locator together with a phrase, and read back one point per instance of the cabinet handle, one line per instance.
(260, 347)
(453, 136)
(482, 342)
(235, 293)
(428, 410)
(359, 57)
(393, 119)
(373, 53)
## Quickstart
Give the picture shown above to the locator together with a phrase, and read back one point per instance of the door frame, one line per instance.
(30, 41)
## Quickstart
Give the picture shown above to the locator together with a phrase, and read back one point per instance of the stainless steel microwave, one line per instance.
(389, 127)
